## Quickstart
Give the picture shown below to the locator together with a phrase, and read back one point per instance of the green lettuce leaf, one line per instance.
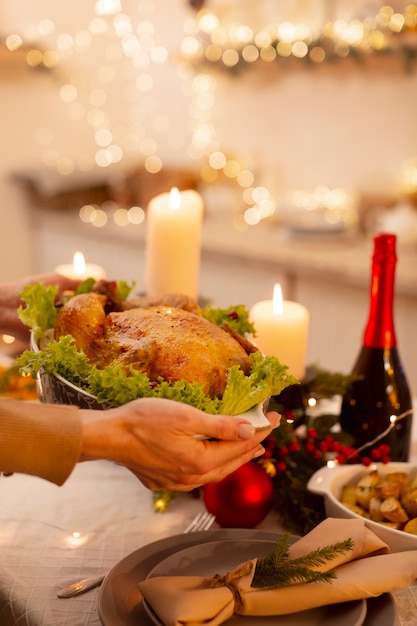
(236, 316)
(39, 312)
(114, 386)
(267, 378)
(59, 357)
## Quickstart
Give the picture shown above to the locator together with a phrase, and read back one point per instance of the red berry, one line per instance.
(337, 446)
(384, 449)
(281, 466)
(323, 446)
(233, 315)
(283, 451)
(366, 461)
(317, 454)
(385, 459)
(350, 452)
(376, 454)
(294, 446)
(309, 446)
(289, 415)
(312, 433)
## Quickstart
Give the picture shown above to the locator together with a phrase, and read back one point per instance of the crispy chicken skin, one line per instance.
(83, 317)
(162, 341)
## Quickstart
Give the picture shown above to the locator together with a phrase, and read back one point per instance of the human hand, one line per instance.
(156, 439)
(10, 301)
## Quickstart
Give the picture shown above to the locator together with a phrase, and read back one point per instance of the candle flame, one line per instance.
(277, 300)
(8, 339)
(174, 199)
(78, 263)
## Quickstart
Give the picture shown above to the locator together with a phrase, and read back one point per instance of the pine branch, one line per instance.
(321, 556)
(278, 570)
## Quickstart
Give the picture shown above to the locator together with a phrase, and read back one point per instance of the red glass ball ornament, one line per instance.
(242, 499)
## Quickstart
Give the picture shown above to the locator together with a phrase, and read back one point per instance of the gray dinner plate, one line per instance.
(120, 602)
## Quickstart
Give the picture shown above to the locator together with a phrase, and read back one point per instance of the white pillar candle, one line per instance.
(173, 243)
(282, 330)
(81, 270)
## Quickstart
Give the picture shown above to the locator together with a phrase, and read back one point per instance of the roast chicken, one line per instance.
(166, 338)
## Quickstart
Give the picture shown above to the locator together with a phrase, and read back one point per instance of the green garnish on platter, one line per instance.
(279, 570)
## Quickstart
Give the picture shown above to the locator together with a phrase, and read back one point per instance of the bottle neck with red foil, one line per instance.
(380, 331)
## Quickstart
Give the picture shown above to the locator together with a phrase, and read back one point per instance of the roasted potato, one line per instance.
(389, 499)
(365, 489)
(392, 511)
(411, 526)
(409, 502)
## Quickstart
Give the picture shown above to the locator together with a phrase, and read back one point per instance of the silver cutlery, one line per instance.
(202, 521)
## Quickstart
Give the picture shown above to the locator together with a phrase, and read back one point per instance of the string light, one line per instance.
(76, 539)
(237, 46)
(394, 419)
(129, 52)
(162, 500)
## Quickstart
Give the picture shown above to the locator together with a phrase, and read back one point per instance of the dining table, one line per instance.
(52, 536)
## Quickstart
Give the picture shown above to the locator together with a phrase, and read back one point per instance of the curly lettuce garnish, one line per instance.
(236, 316)
(59, 357)
(40, 311)
(114, 386)
(268, 377)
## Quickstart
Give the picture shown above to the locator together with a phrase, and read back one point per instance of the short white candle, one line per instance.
(81, 270)
(173, 243)
(282, 330)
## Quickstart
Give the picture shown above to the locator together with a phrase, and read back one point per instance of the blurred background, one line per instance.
(296, 120)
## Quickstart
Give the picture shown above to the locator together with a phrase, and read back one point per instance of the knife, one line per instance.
(81, 586)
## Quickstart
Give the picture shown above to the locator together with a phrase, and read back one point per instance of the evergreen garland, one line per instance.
(301, 445)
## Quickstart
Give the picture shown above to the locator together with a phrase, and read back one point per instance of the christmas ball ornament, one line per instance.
(242, 499)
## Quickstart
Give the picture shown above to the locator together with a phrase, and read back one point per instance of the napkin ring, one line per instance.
(230, 580)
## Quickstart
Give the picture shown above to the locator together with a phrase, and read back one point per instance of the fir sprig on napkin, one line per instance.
(279, 570)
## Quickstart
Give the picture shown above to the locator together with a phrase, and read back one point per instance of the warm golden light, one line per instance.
(277, 300)
(107, 7)
(174, 199)
(79, 263)
(9, 339)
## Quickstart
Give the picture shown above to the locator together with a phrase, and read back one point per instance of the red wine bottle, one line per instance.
(381, 394)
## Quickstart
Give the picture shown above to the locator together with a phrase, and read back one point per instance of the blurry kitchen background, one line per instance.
(295, 119)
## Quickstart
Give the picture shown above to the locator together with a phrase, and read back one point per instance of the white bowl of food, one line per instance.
(382, 495)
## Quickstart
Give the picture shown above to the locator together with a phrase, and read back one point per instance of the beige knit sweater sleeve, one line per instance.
(39, 439)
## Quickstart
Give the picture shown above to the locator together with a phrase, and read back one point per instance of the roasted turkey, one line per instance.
(162, 340)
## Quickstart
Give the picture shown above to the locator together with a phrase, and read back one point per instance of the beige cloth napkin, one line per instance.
(364, 572)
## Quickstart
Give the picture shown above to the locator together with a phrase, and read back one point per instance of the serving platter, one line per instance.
(120, 602)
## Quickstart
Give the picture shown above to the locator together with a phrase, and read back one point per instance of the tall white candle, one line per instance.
(173, 243)
(79, 269)
(282, 330)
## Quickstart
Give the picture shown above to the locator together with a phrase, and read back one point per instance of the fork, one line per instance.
(202, 521)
